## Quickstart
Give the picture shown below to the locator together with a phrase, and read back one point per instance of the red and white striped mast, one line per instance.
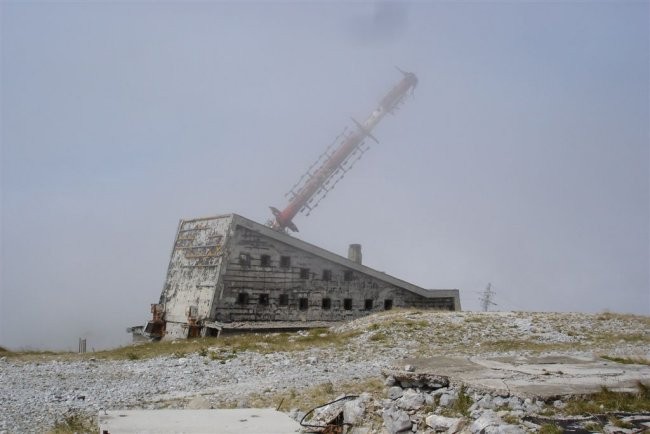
(332, 165)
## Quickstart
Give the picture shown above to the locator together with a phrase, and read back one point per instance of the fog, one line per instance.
(522, 159)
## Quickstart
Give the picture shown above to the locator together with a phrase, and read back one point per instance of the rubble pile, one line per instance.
(428, 408)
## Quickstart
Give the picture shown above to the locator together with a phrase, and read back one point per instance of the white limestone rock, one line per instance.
(353, 411)
(486, 419)
(442, 423)
(395, 392)
(396, 421)
(411, 400)
(448, 399)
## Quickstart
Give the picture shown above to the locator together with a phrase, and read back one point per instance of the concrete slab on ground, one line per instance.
(528, 376)
(227, 421)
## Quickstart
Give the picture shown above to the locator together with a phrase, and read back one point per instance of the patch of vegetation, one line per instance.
(620, 423)
(550, 428)
(605, 316)
(609, 401)
(511, 419)
(399, 323)
(29, 355)
(74, 423)
(4, 350)
(624, 337)
(608, 316)
(257, 342)
(525, 345)
(222, 357)
(463, 403)
(280, 342)
(548, 410)
(412, 324)
(593, 427)
(627, 360)
(476, 319)
(378, 337)
(309, 398)
(132, 356)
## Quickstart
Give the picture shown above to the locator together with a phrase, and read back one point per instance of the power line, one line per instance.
(486, 298)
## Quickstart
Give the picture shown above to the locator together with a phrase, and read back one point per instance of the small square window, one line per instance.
(304, 273)
(327, 275)
(265, 260)
(264, 299)
(347, 275)
(285, 261)
(347, 304)
(388, 304)
(303, 303)
(368, 304)
(327, 303)
(284, 299)
(242, 298)
(244, 259)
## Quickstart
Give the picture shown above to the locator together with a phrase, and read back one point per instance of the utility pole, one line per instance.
(486, 298)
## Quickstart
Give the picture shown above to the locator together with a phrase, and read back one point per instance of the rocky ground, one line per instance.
(296, 372)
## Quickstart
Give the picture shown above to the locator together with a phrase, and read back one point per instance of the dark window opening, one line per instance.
(285, 261)
(388, 304)
(244, 259)
(242, 298)
(368, 304)
(304, 273)
(303, 304)
(347, 275)
(265, 260)
(327, 275)
(264, 299)
(347, 304)
(327, 303)
(284, 299)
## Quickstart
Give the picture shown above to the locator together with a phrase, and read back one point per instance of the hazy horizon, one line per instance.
(521, 160)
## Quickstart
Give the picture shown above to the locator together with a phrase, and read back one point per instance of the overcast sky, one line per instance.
(522, 159)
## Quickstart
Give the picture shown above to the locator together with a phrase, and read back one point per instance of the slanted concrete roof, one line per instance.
(341, 260)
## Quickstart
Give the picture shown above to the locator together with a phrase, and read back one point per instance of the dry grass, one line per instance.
(525, 345)
(449, 332)
(550, 429)
(628, 360)
(74, 423)
(309, 398)
(607, 401)
(216, 347)
(257, 342)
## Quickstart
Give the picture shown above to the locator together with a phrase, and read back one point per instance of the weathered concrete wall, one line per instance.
(194, 272)
(256, 278)
(230, 269)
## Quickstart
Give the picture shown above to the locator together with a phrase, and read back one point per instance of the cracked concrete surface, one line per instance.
(535, 377)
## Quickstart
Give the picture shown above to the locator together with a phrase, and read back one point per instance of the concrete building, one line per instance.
(228, 272)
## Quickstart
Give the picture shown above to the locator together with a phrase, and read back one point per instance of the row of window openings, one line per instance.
(285, 262)
(303, 303)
